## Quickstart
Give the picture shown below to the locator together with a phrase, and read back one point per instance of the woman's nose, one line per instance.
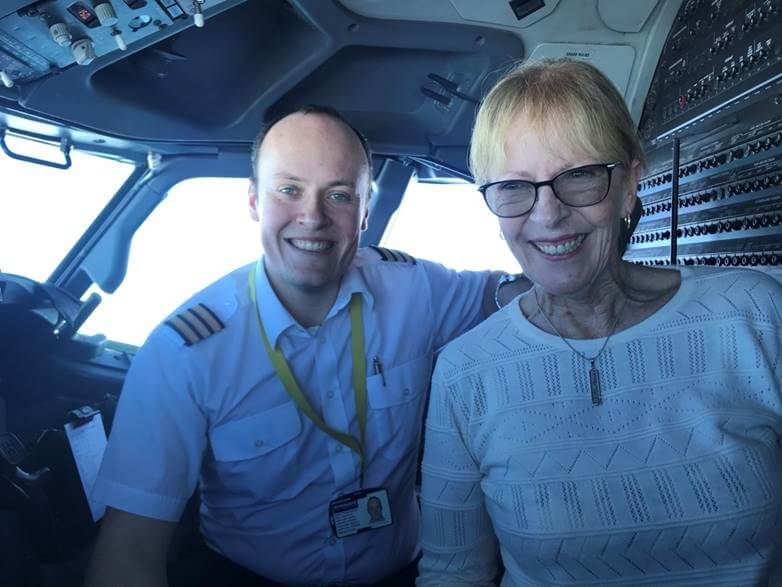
(548, 209)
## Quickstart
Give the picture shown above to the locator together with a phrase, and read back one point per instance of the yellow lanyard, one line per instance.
(359, 374)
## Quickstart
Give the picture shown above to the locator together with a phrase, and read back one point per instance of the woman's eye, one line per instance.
(511, 186)
(580, 173)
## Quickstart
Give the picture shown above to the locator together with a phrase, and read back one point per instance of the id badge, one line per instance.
(367, 509)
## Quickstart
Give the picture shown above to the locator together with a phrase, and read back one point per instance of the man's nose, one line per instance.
(548, 210)
(312, 211)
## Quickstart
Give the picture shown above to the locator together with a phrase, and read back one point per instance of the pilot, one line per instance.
(287, 388)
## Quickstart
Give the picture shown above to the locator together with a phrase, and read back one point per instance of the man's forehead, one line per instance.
(288, 143)
(282, 174)
(303, 125)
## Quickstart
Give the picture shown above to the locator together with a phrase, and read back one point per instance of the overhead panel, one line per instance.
(501, 13)
(617, 17)
(45, 38)
(712, 128)
(615, 61)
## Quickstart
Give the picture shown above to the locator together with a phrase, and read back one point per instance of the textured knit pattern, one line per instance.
(676, 479)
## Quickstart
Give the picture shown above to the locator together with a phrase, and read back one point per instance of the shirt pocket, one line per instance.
(256, 454)
(397, 400)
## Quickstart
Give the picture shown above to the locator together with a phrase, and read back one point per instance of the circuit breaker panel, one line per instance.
(712, 130)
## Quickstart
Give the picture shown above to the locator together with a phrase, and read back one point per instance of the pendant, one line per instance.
(594, 385)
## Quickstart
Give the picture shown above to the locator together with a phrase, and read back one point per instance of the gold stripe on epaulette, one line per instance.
(195, 324)
(393, 256)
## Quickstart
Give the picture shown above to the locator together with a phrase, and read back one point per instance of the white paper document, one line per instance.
(88, 442)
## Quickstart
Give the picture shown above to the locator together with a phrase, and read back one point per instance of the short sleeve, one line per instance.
(154, 453)
(456, 300)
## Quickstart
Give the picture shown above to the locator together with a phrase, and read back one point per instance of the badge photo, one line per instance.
(360, 511)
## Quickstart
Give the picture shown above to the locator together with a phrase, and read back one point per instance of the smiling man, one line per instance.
(291, 391)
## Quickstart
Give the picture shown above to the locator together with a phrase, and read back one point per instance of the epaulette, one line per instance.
(393, 256)
(195, 324)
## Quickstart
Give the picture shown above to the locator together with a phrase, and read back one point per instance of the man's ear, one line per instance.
(365, 219)
(252, 194)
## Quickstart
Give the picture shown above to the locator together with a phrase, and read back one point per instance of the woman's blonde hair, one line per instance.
(560, 99)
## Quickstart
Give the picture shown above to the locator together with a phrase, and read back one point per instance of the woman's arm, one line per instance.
(459, 546)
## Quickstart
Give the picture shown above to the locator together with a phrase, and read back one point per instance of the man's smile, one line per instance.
(310, 245)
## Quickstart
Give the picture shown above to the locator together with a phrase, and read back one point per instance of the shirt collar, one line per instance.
(277, 319)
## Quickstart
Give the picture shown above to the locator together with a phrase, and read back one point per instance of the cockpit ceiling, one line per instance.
(176, 83)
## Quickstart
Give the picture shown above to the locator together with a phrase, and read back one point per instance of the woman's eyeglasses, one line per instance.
(577, 187)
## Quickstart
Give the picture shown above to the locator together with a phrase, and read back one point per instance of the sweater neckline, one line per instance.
(533, 333)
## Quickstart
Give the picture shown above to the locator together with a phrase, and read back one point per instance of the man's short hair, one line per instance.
(327, 111)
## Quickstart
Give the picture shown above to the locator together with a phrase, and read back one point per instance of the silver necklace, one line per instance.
(594, 375)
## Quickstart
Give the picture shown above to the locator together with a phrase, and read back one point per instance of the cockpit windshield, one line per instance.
(44, 210)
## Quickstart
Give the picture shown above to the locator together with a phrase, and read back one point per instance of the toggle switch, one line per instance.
(6, 79)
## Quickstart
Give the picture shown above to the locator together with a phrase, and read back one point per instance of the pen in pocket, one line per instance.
(377, 367)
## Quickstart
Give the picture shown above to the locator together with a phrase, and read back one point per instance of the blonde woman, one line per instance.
(616, 424)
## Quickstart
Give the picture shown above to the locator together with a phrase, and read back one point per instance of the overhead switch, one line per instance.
(198, 14)
(121, 44)
(83, 51)
(6, 79)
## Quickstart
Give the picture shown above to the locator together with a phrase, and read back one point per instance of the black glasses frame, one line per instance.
(539, 184)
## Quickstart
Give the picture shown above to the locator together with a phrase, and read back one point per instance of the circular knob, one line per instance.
(106, 15)
(60, 33)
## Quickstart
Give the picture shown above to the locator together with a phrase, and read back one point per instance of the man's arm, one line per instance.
(131, 551)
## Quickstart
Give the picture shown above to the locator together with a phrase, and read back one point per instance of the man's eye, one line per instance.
(288, 190)
(340, 197)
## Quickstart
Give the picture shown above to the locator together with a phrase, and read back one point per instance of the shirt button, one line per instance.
(406, 391)
(330, 394)
(332, 541)
(258, 443)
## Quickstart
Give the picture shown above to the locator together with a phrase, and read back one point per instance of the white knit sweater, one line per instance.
(676, 479)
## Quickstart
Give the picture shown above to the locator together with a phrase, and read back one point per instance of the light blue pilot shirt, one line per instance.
(216, 412)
